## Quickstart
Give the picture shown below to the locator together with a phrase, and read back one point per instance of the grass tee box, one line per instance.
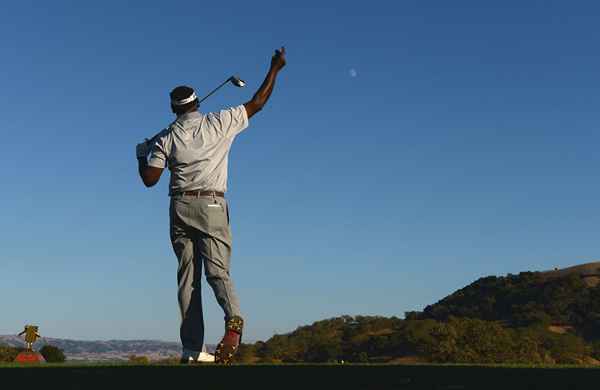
(370, 377)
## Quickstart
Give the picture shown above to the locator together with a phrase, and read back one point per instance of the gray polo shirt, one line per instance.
(196, 149)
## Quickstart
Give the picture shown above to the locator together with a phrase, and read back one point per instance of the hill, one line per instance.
(568, 298)
(534, 318)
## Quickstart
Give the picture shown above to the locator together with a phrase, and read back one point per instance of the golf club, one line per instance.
(235, 80)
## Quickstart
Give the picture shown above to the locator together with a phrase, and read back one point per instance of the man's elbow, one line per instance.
(149, 181)
(258, 108)
(150, 175)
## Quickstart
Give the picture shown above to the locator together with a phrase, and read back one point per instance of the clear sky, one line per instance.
(409, 148)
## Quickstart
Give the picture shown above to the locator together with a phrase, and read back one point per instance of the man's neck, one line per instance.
(186, 113)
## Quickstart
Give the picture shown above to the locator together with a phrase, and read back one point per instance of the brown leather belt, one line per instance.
(203, 193)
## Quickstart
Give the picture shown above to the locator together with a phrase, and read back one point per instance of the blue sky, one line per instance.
(408, 149)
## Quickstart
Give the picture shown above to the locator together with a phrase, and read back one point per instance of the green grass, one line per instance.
(72, 364)
(302, 376)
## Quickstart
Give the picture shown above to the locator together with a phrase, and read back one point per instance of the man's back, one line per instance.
(196, 148)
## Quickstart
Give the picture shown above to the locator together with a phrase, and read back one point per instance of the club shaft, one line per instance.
(214, 90)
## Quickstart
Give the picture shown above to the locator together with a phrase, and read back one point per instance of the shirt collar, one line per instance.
(188, 116)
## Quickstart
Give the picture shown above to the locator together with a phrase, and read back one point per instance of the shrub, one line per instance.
(52, 354)
(8, 353)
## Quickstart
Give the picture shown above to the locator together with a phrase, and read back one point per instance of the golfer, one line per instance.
(195, 148)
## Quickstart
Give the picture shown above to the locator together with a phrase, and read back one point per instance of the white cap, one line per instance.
(187, 100)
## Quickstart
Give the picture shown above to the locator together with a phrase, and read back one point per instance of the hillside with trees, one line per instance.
(532, 317)
(525, 299)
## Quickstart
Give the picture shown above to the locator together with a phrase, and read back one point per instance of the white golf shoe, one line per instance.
(192, 357)
(205, 357)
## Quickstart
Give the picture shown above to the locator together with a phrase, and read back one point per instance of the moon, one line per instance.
(353, 73)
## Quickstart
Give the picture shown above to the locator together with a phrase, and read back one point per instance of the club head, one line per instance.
(235, 80)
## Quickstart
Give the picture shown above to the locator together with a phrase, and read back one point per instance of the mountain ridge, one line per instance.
(569, 296)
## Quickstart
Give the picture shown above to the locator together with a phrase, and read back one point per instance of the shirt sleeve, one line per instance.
(233, 121)
(159, 152)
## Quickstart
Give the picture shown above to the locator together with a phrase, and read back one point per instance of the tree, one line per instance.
(8, 353)
(52, 354)
(469, 340)
(246, 354)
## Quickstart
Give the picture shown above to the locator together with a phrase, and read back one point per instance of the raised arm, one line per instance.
(264, 92)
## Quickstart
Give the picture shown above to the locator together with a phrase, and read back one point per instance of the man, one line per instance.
(195, 148)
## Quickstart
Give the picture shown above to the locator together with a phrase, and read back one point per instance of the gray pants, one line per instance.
(200, 233)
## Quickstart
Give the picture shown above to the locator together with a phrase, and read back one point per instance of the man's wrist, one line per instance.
(274, 69)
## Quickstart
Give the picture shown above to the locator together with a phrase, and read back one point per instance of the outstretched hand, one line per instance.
(264, 92)
(278, 60)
